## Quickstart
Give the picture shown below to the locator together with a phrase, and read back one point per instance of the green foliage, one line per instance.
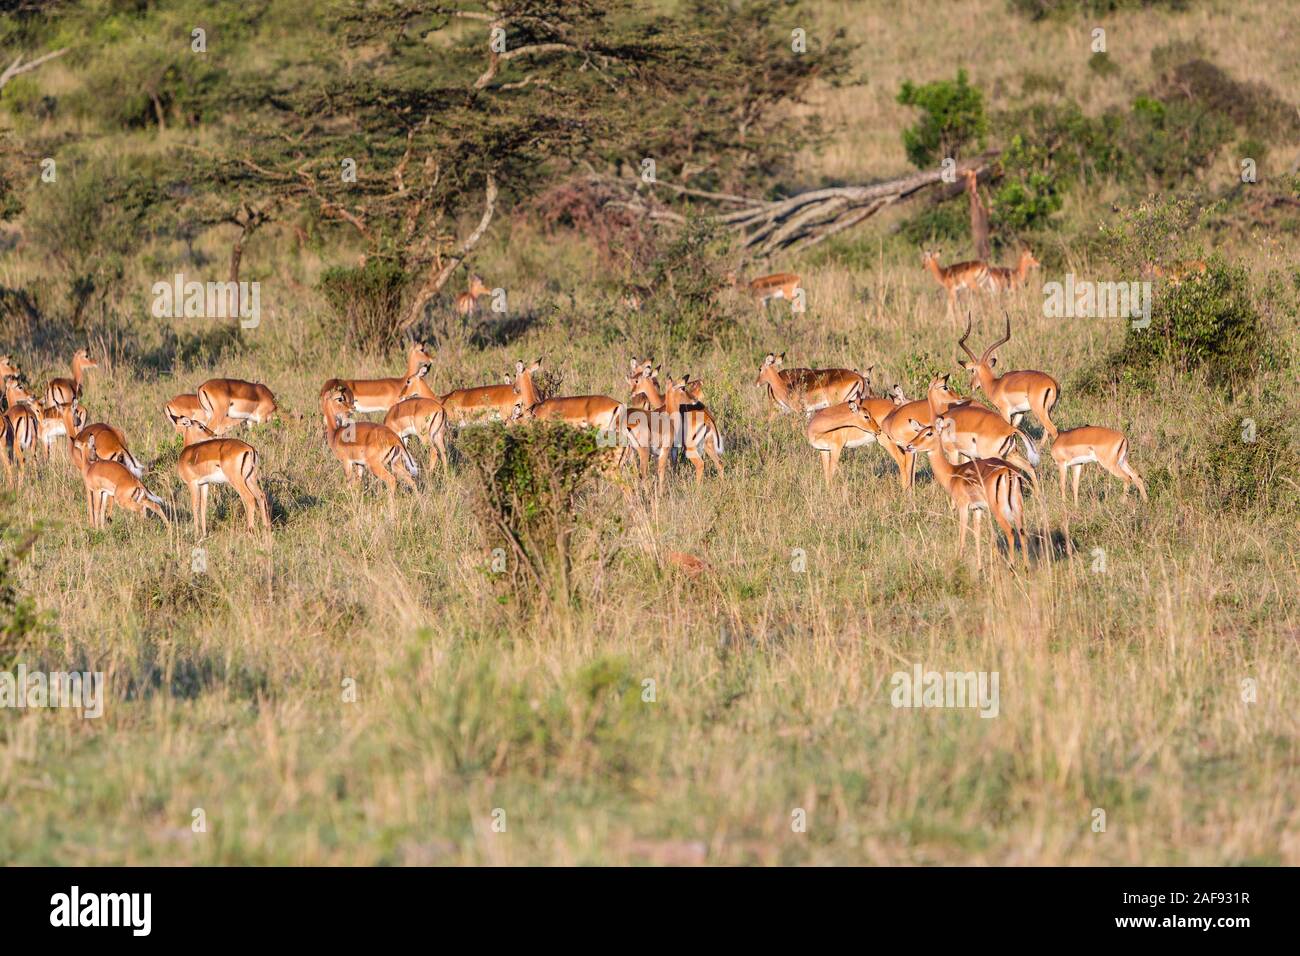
(1060, 9)
(952, 118)
(1251, 106)
(367, 300)
(938, 222)
(1253, 459)
(526, 481)
(18, 616)
(1172, 141)
(687, 276)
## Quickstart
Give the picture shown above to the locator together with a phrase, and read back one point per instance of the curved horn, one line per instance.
(962, 340)
(999, 343)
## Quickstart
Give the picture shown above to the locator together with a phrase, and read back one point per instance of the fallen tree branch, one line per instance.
(18, 67)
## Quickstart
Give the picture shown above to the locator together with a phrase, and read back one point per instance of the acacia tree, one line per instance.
(412, 123)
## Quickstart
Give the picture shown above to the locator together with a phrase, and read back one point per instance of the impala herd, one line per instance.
(978, 453)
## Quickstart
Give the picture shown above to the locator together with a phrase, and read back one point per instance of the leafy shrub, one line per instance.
(368, 299)
(18, 616)
(1254, 459)
(688, 276)
(1173, 140)
(527, 478)
(952, 117)
(941, 222)
(1207, 322)
(1254, 107)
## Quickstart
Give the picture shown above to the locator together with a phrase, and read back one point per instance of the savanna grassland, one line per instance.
(359, 688)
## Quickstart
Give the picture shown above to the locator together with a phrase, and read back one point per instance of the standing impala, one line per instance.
(962, 277)
(108, 483)
(64, 391)
(51, 421)
(381, 394)
(830, 431)
(228, 401)
(465, 405)
(979, 432)
(1075, 447)
(1014, 393)
(695, 428)
(983, 484)
(900, 425)
(209, 460)
(779, 285)
(424, 418)
(366, 446)
(999, 279)
(21, 426)
(807, 389)
(467, 302)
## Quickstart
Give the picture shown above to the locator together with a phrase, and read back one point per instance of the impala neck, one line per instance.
(987, 380)
(935, 269)
(413, 363)
(528, 396)
(776, 383)
(647, 387)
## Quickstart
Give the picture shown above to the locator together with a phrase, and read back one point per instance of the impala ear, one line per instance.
(853, 407)
(519, 367)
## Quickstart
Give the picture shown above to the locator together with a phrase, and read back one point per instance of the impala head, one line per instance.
(858, 415)
(8, 366)
(929, 256)
(83, 360)
(16, 389)
(985, 363)
(896, 393)
(477, 286)
(1027, 260)
(193, 430)
(928, 437)
(773, 362)
(419, 354)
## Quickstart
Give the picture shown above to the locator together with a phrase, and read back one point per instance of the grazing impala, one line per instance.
(108, 483)
(830, 431)
(465, 405)
(1075, 447)
(979, 432)
(983, 484)
(1014, 393)
(962, 277)
(381, 394)
(65, 391)
(696, 430)
(182, 407)
(999, 279)
(110, 445)
(228, 401)
(208, 459)
(362, 446)
(807, 389)
(467, 302)
(424, 418)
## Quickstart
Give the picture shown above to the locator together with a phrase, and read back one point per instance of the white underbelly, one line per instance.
(1082, 459)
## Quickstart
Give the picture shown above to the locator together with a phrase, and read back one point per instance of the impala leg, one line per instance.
(711, 447)
(828, 470)
(1062, 469)
(205, 492)
(694, 455)
(962, 518)
(1124, 473)
(90, 506)
(1075, 472)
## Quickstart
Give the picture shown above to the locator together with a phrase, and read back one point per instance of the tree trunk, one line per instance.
(438, 275)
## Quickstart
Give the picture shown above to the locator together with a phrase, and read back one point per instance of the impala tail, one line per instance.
(1030, 451)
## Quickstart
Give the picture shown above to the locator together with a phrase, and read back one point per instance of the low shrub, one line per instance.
(368, 300)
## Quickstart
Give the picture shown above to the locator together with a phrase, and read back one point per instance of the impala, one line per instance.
(64, 391)
(110, 445)
(228, 401)
(1176, 273)
(962, 277)
(696, 430)
(779, 285)
(207, 459)
(1075, 447)
(979, 432)
(182, 407)
(21, 428)
(999, 279)
(830, 431)
(898, 426)
(361, 446)
(51, 422)
(424, 418)
(108, 483)
(979, 215)
(1014, 393)
(648, 420)
(491, 401)
(807, 389)
(467, 302)
(381, 394)
(983, 484)
(8, 367)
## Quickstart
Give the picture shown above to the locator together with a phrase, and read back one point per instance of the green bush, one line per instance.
(1172, 141)
(1206, 323)
(527, 478)
(938, 223)
(18, 616)
(1254, 460)
(952, 117)
(687, 276)
(368, 300)
(1043, 9)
